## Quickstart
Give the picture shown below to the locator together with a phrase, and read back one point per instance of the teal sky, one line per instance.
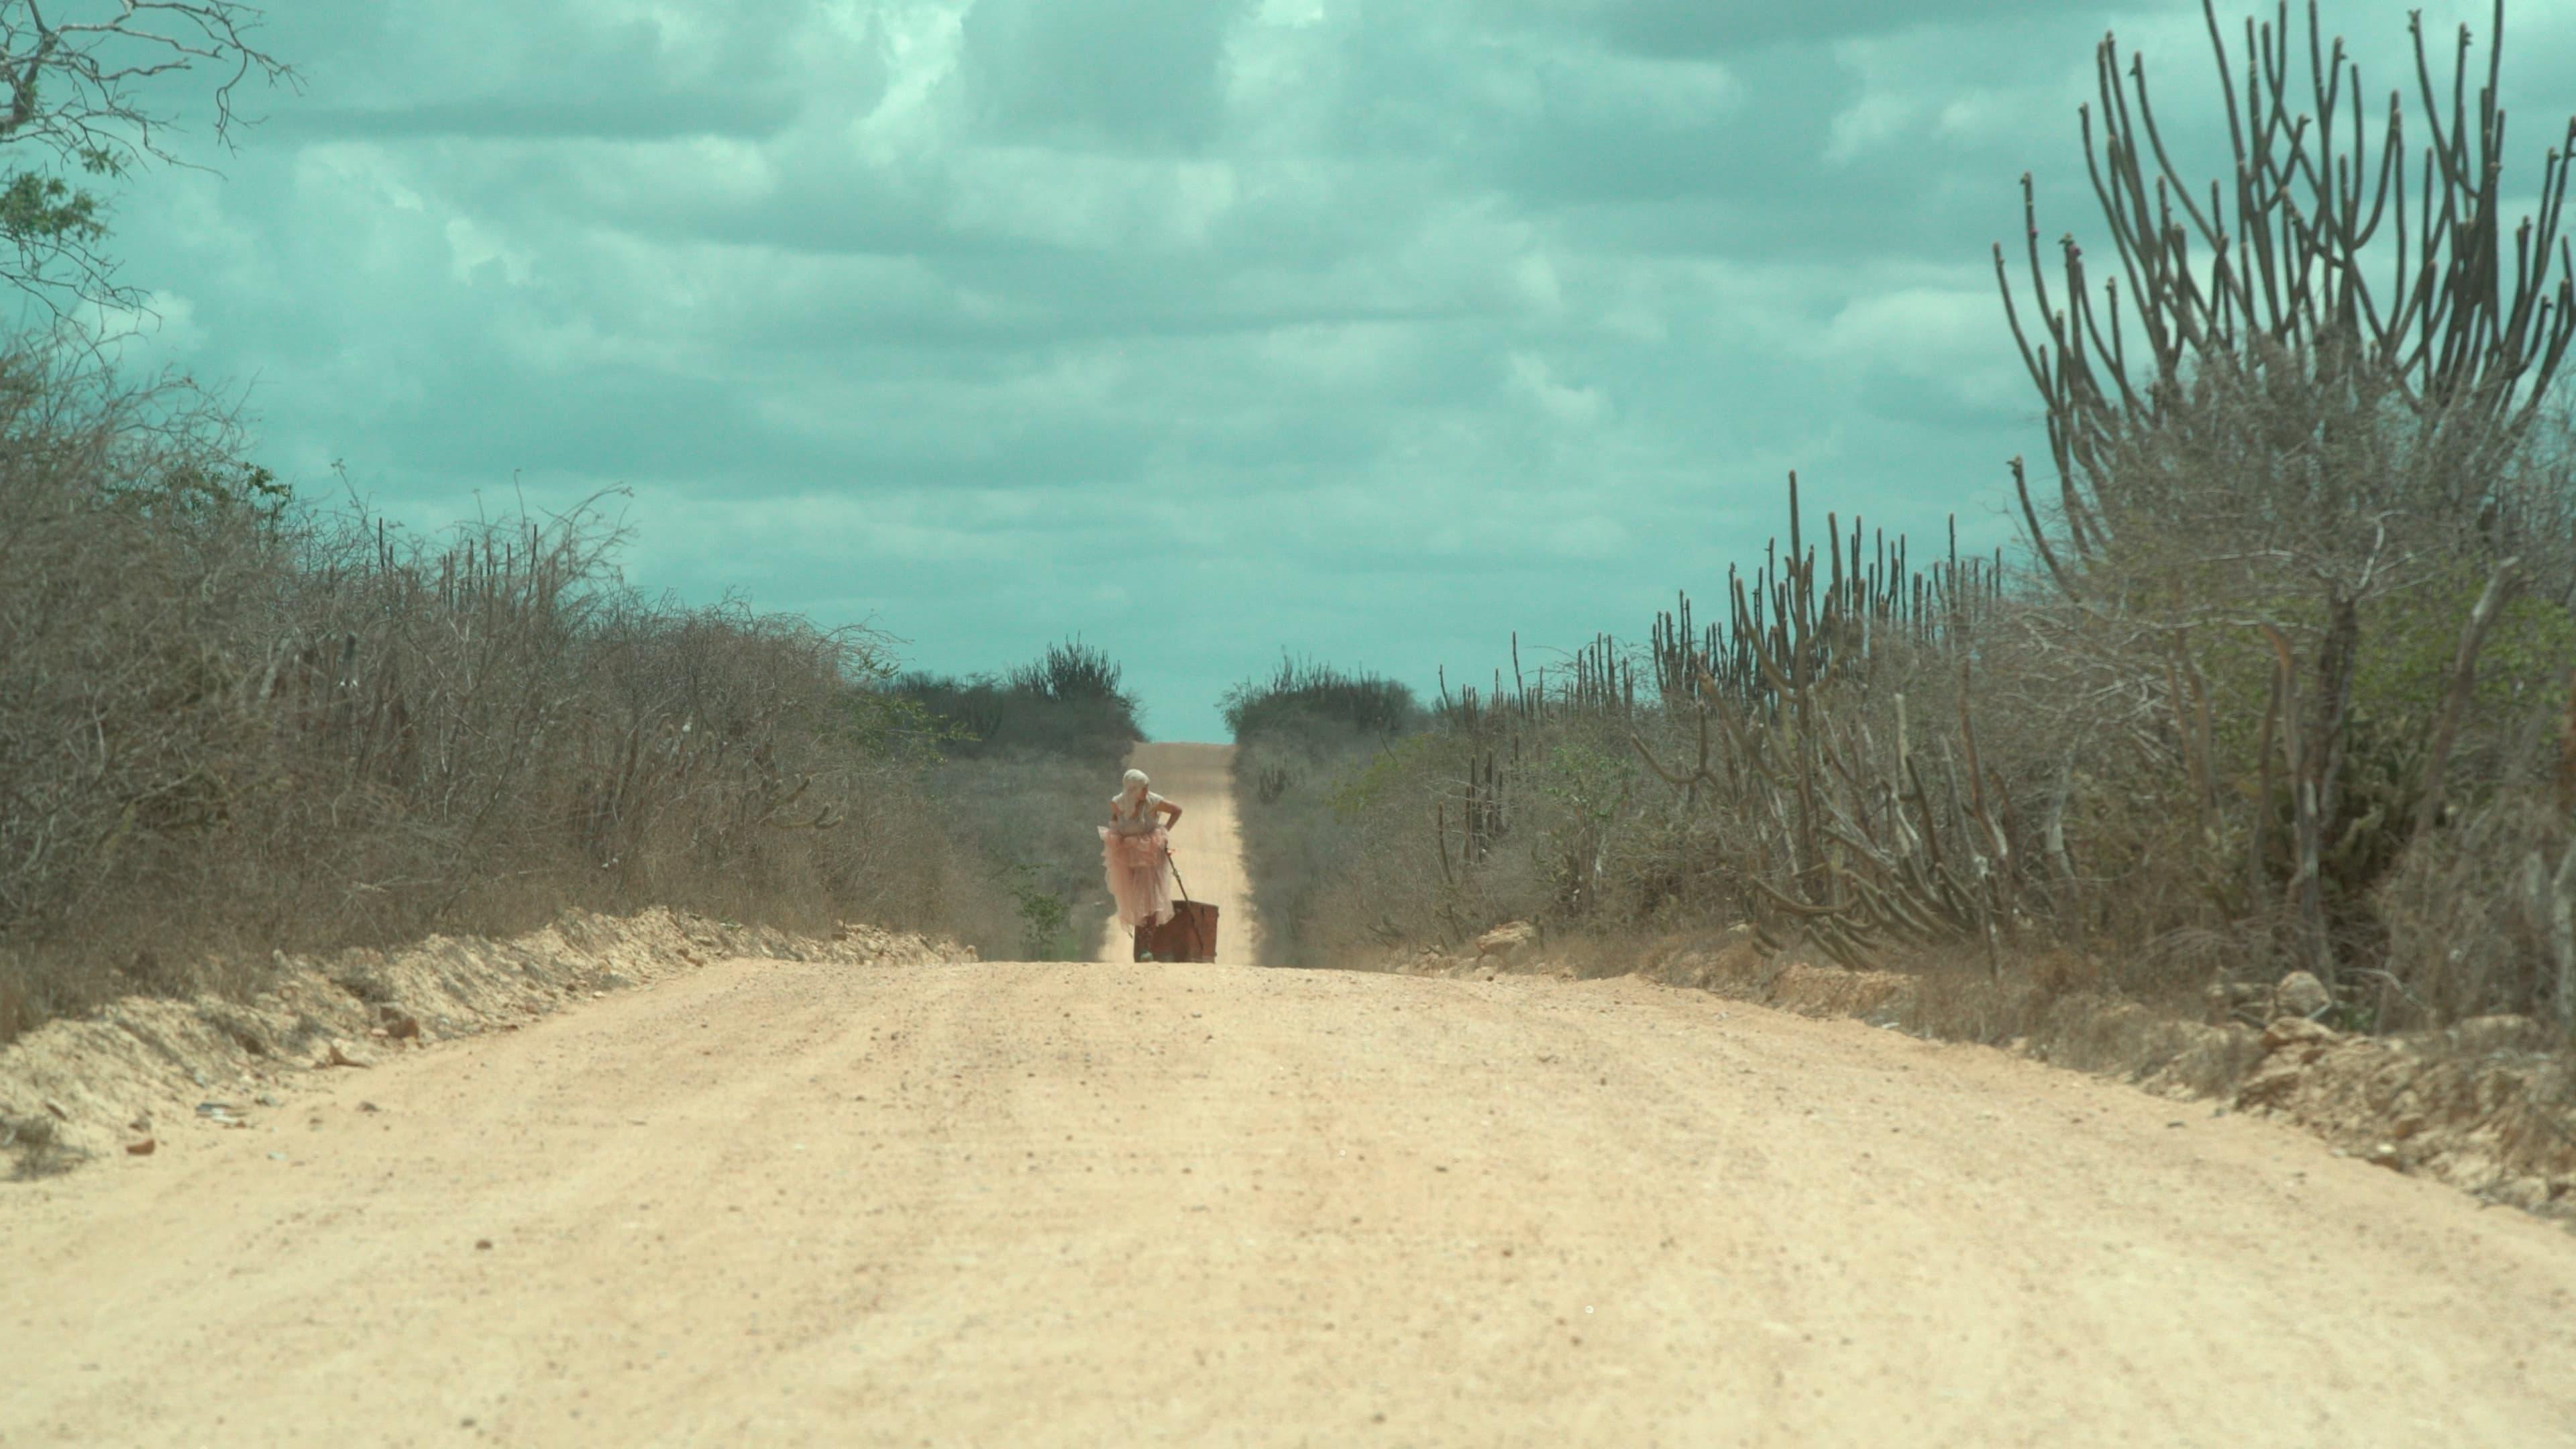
(1201, 329)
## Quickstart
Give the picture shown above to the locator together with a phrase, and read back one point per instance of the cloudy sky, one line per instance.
(1371, 330)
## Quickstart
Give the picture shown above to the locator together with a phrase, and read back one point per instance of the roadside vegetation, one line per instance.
(1027, 763)
(2282, 678)
(233, 724)
(236, 722)
(1298, 732)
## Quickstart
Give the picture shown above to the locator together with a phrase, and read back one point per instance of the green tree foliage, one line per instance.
(69, 78)
(1069, 702)
(1302, 699)
(1027, 761)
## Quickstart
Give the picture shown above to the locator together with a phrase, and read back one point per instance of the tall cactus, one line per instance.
(2265, 270)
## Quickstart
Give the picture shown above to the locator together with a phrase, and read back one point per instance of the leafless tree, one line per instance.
(73, 79)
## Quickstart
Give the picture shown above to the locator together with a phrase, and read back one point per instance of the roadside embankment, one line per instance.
(2486, 1106)
(129, 1076)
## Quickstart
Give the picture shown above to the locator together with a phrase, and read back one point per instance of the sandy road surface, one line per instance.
(788, 1203)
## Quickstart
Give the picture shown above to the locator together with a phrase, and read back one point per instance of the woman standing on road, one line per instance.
(1133, 848)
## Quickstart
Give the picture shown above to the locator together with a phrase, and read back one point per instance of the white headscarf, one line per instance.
(1134, 790)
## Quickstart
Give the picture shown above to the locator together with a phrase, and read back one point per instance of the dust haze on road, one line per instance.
(781, 1202)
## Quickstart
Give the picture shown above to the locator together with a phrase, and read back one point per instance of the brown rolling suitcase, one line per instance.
(1190, 935)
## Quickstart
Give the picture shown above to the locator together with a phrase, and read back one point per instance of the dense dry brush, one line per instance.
(231, 725)
(2284, 677)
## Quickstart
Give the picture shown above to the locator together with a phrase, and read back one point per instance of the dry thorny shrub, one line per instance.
(228, 725)
(2298, 700)
(2318, 657)
(1295, 728)
(1031, 756)
(2292, 682)
(2100, 794)
(2144, 854)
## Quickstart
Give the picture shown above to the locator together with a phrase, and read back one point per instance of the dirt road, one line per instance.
(788, 1203)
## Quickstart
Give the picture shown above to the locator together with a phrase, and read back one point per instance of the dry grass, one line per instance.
(2294, 707)
(1297, 731)
(2286, 679)
(1028, 757)
(35, 1147)
(2288, 683)
(1032, 812)
(229, 727)
(2136, 797)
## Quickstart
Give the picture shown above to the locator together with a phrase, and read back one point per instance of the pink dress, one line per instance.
(1132, 851)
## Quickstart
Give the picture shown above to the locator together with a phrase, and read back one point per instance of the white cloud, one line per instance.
(1589, 537)
(1089, 202)
(1950, 336)
(1580, 407)
(1535, 275)
(918, 45)
(1408, 293)
(160, 331)
(474, 246)
(1679, 91)
(1342, 356)
(357, 169)
(1947, 86)
(1868, 123)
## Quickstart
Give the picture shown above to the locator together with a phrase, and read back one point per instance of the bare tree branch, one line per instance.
(73, 91)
